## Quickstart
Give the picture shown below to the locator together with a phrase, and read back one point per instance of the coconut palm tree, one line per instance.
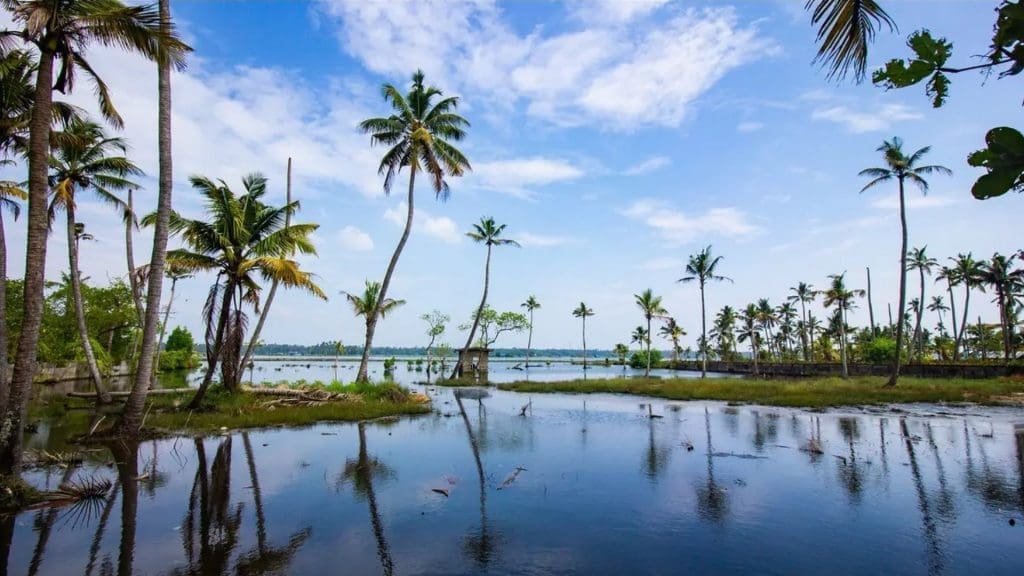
(672, 331)
(901, 167)
(948, 273)
(61, 33)
(583, 312)
(1006, 282)
(839, 296)
(813, 325)
(488, 232)
(419, 135)
(240, 238)
(701, 269)
(938, 305)
(531, 304)
(651, 307)
(724, 331)
(175, 273)
(621, 351)
(804, 294)
(766, 319)
(749, 331)
(87, 160)
(967, 271)
(845, 29)
(786, 315)
(924, 264)
(369, 304)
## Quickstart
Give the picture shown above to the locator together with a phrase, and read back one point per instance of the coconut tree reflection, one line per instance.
(851, 472)
(986, 482)
(480, 545)
(210, 523)
(934, 551)
(656, 457)
(361, 473)
(712, 500)
(945, 505)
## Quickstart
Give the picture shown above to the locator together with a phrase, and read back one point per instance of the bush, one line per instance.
(881, 350)
(639, 359)
(171, 360)
(180, 339)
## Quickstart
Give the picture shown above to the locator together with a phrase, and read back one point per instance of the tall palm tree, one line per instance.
(1006, 282)
(488, 232)
(749, 331)
(583, 312)
(639, 337)
(369, 304)
(672, 332)
(651, 307)
(87, 160)
(169, 53)
(813, 325)
(240, 238)
(10, 195)
(841, 297)
(845, 29)
(61, 33)
(419, 135)
(766, 319)
(967, 271)
(621, 351)
(901, 167)
(924, 264)
(938, 305)
(948, 273)
(804, 294)
(724, 331)
(531, 304)
(786, 314)
(701, 269)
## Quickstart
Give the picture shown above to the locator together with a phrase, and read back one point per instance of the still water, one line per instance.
(576, 485)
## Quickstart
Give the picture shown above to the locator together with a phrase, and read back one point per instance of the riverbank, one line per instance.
(803, 392)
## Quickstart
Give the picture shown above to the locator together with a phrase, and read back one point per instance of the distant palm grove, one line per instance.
(251, 246)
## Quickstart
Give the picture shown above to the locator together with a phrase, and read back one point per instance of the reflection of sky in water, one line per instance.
(606, 490)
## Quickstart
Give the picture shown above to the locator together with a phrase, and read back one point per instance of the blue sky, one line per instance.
(614, 139)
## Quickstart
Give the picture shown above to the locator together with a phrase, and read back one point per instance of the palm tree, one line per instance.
(846, 28)
(749, 332)
(724, 331)
(841, 297)
(368, 304)
(242, 239)
(672, 331)
(175, 273)
(639, 336)
(920, 261)
(804, 294)
(621, 351)
(1006, 282)
(701, 268)
(531, 304)
(489, 233)
(87, 160)
(418, 133)
(900, 167)
(938, 305)
(949, 274)
(813, 325)
(651, 306)
(786, 314)
(62, 32)
(967, 271)
(149, 349)
(583, 312)
(766, 318)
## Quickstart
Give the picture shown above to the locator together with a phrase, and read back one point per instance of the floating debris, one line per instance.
(740, 456)
(511, 477)
(441, 491)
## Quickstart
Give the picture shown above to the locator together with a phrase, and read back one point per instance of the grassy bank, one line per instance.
(809, 392)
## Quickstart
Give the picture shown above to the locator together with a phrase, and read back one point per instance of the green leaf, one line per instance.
(931, 54)
(1004, 159)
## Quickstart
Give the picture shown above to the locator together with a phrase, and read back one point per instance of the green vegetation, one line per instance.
(810, 392)
(583, 312)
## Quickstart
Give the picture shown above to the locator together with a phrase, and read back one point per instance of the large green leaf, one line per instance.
(1003, 157)
(930, 56)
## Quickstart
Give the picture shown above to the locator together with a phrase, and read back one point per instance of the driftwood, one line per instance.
(511, 477)
(125, 393)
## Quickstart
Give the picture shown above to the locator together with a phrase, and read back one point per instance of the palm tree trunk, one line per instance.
(372, 326)
(803, 332)
(76, 297)
(4, 389)
(476, 317)
(131, 417)
(163, 331)
(871, 307)
(38, 224)
(585, 345)
(963, 324)
(247, 357)
(952, 316)
(753, 350)
(218, 341)
(703, 335)
(918, 336)
(810, 329)
(894, 377)
(127, 458)
(529, 339)
(129, 250)
(1004, 321)
(647, 370)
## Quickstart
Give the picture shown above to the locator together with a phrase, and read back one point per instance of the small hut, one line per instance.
(473, 362)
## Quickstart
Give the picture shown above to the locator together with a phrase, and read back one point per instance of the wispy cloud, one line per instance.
(915, 201)
(660, 263)
(440, 227)
(519, 176)
(531, 240)
(677, 227)
(647, 166)
(749, 126)
(859, 122)
(354, 239)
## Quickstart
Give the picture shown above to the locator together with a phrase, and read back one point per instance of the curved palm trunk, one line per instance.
(918, 336)
(871, 307)
(703, 335)
(214, 355)
(476, 317)
(529, 339)
(371, 327)
(963, 324)
(250, 349)
(952, 317)
(127, 460)
(38, 222)
(647, 370)
(76, 297)
(894, 377)
(129, 251)
(4, 390)
(131, 417)
(842, 339)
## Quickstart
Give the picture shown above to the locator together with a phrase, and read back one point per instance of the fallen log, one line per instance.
(125, 393)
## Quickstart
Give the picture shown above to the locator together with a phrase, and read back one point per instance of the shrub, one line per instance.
(881, 350)
(639, 359)
(171, 360)
(180, 339)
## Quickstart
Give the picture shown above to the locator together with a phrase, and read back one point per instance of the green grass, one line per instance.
(809, 392)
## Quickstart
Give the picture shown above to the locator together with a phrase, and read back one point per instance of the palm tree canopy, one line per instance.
(489, 232)
(87, 159)
(649, 304)
(802, 292)
(582, 311)
(701, 268)
(531, 303)
(66, 28)
(838, 294)
(845, 29)
(901, 167)
(364, 304)
(639, 335)
(918, 259)
(965, 270)
(419, 133)
(671, 330)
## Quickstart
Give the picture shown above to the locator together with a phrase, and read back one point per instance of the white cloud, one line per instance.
(614, 11)
(648, 166)
(661, 263)
(612, 71)
(531, 240)
(749, 126)
(859, 122)
(355, 239)
(440, 227)
(914, 201)
(517, 176)
(678, 227)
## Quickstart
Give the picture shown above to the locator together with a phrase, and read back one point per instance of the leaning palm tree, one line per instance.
(920, 261)
(582, 312)
(845, 29)
(488, 232)
(1007, 283)
(672, 331)
(651, 307)
(967, 271)
(804, 294)
(900, 167)
(369, 304)
(87, 160)
(841, 297)
(938, 305)
(241, 238)
(61, 32)
(701, 268)
(418, 135)
(531, 304)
